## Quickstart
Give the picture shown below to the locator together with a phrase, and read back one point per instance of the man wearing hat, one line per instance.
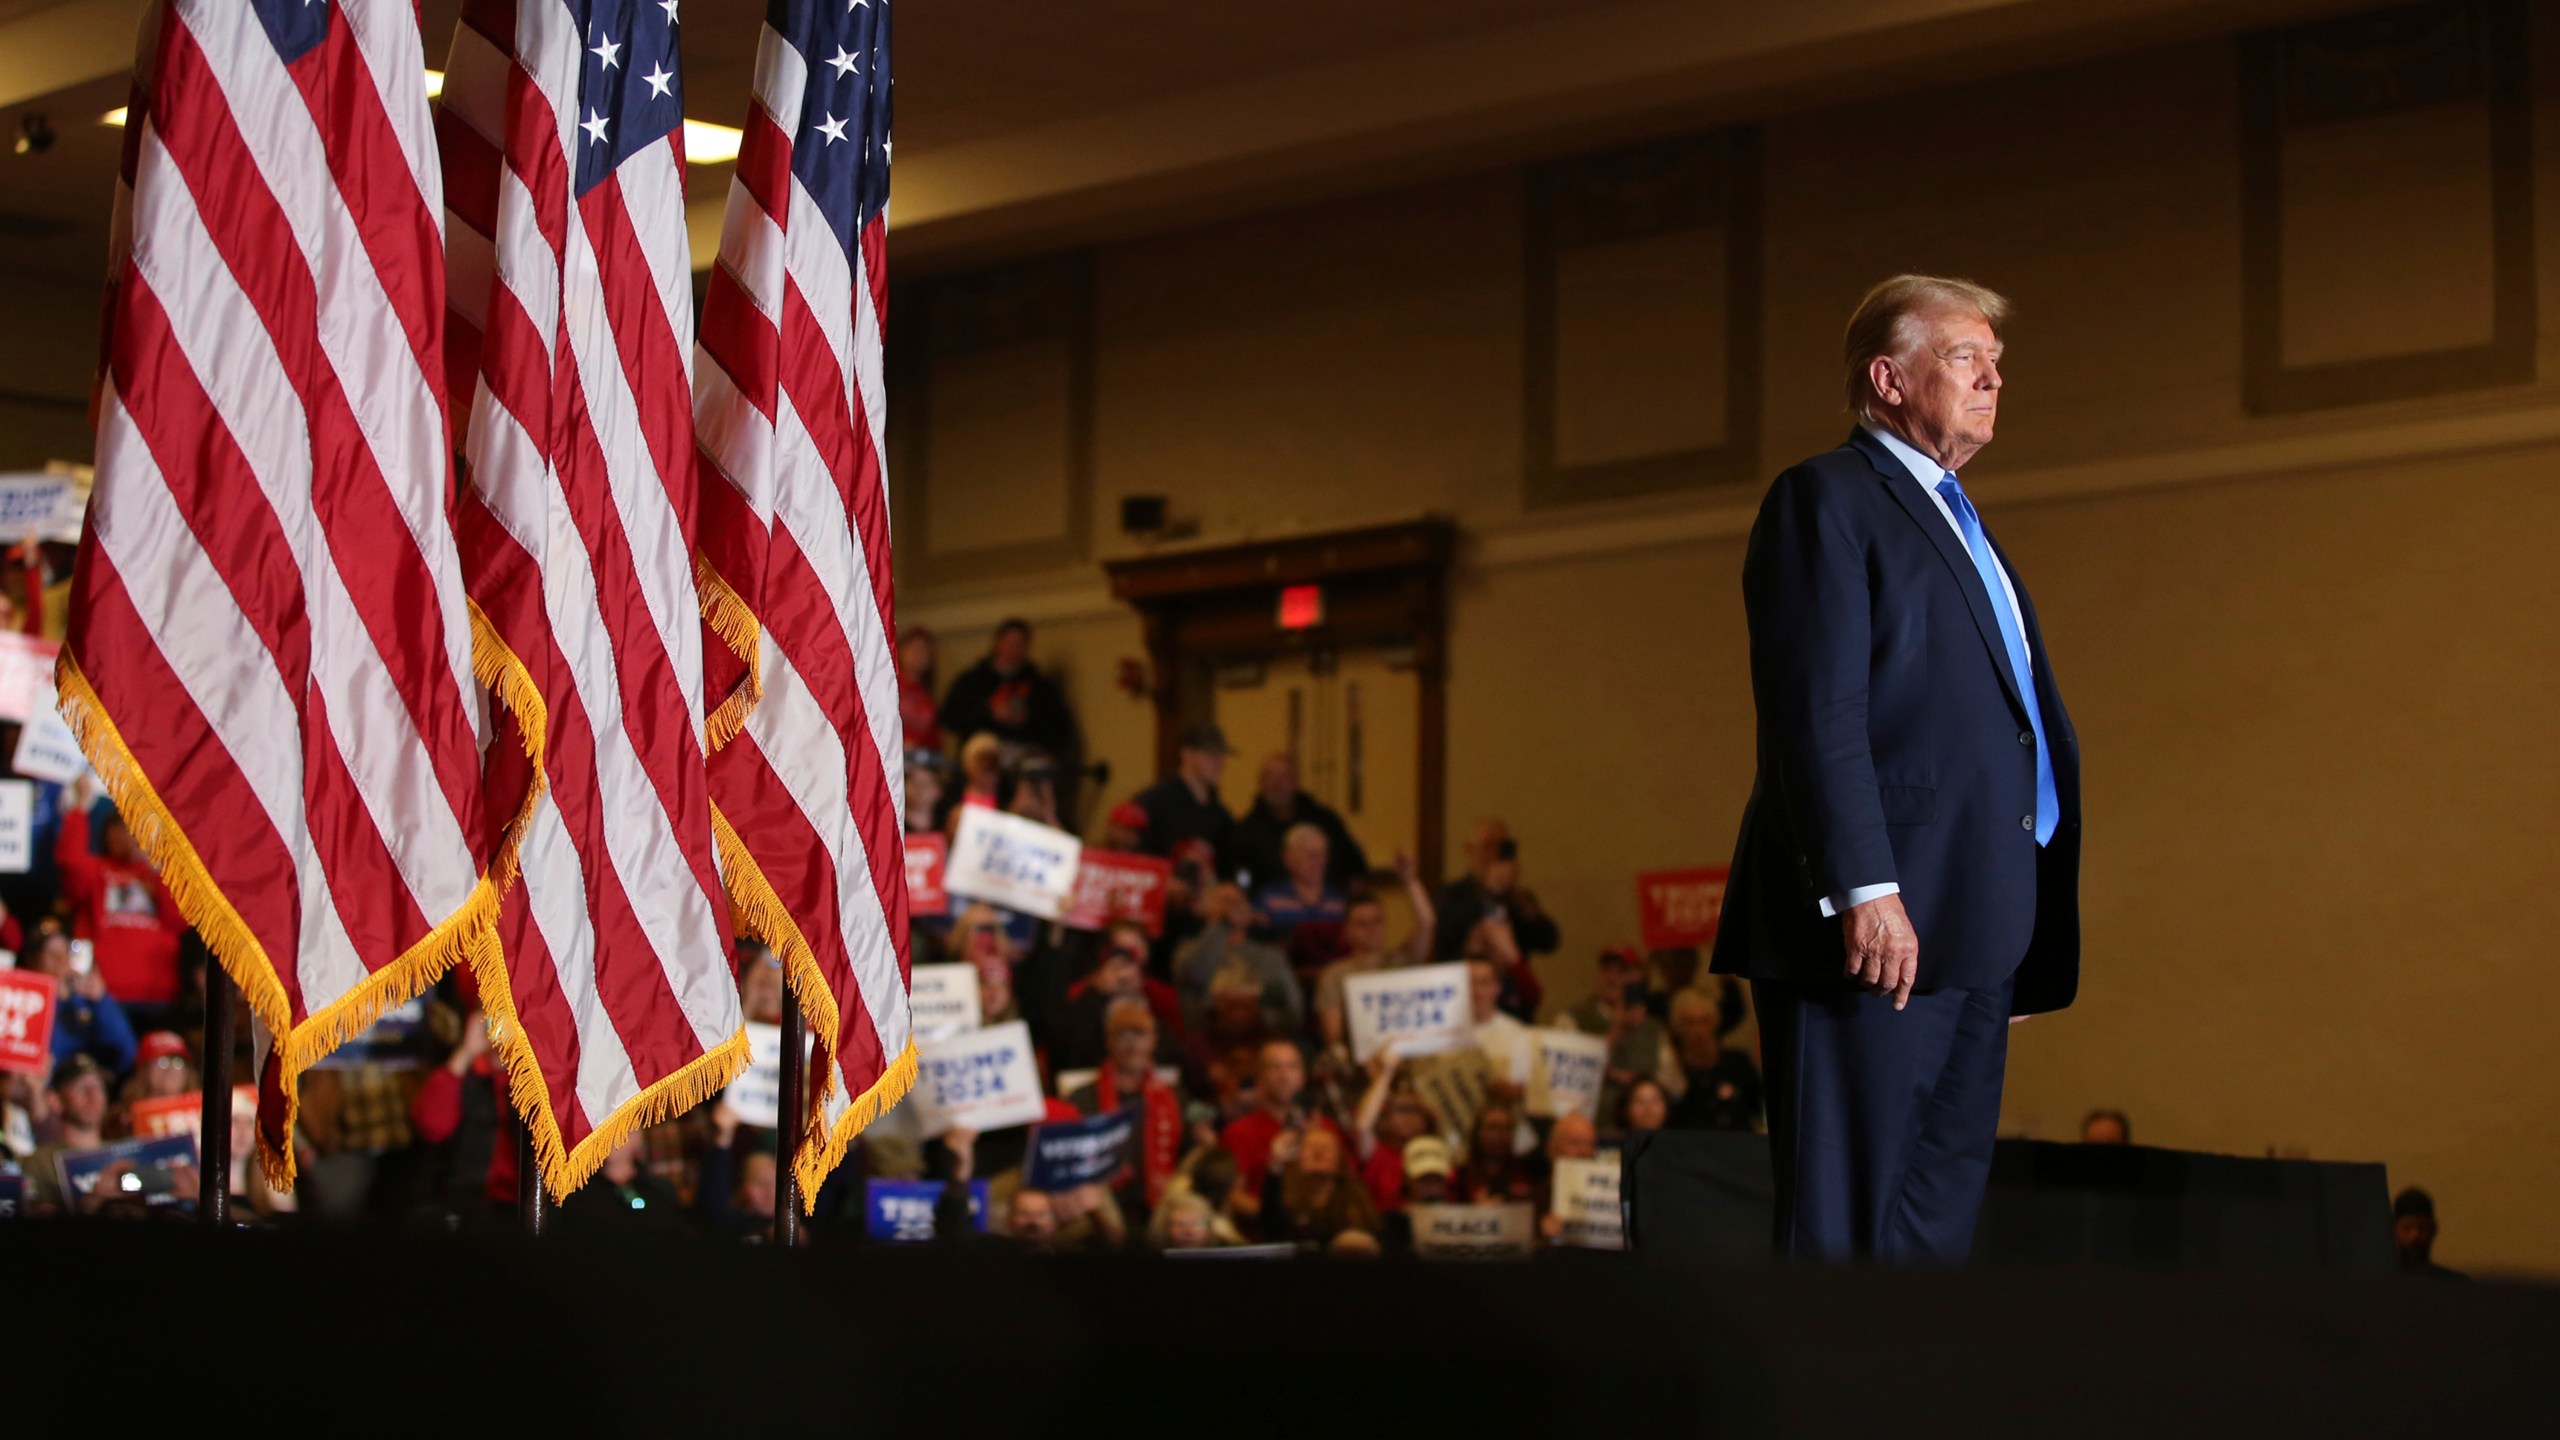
(1186, 821)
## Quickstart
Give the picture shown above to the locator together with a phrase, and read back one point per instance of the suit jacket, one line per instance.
(1894, 746)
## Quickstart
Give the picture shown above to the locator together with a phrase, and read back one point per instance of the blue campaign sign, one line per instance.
(1069, 1153)
(900, 1212)
(145, 1170)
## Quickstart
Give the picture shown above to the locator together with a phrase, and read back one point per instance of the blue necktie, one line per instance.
(2048, 799)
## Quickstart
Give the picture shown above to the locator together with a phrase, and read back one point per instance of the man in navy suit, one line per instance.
(1907, 880)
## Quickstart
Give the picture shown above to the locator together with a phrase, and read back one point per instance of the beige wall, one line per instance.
(2313, 659)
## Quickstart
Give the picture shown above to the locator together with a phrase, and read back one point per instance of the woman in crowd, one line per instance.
(1494, 1171)
(1309, 1193)
(916, 656)
(1644, 1106)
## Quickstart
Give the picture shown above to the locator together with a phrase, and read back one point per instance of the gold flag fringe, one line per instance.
(822, 1148)
(563, 1169)
(200, 900)
(736, 625)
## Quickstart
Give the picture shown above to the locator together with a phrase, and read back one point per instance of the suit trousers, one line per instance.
(1881, 1121)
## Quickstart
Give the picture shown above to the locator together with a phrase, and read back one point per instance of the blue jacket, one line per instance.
(1894, 746)
(97, 1026)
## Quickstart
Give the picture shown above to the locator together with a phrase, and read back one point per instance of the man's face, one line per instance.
(1278, 782)
(1305, 855)
(755, 1185)
(1945, 393)
(1364, 928)
(1696, 1031)
(1573, 1138)
(2416, 1234)
(1033, 1218)
(915, 654)
(1189, 1228)
(53, 956)
(83, 1101)
(1426, 1189)
(1133, 1042)
(1320, 1153)
(1282, 1075)
(1484, 990)
(1011, 648)
(1204, 766)
(1237, 1011)
(117, 838)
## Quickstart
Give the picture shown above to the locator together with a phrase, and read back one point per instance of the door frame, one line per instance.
(1381, 583)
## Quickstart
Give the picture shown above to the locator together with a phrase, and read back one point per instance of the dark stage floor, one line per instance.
(127, 1329)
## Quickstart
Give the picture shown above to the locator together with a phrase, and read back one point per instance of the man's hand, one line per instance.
(1884, 954)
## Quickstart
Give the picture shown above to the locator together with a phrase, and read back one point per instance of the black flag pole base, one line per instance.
(533, 1205)
(791, 1109)
(213, 1134)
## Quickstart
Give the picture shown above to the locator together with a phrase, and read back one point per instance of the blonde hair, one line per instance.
(1887, 323)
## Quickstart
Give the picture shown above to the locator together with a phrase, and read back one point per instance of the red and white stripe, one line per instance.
(613, 994)
(269, 657)
(789, 416)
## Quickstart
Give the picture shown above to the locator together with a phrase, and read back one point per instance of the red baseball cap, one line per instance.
(161, 1045)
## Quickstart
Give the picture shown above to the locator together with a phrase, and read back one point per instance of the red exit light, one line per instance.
(1301, 607)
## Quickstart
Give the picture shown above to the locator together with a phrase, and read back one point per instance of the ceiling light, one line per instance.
(709, 144)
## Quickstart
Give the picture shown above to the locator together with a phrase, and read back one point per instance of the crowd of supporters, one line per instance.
(1222, 1033)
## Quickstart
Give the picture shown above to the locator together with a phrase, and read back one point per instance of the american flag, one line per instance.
(611, 995)
(269, 658)
(809, 782)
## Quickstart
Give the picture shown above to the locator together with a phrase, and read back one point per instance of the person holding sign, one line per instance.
(1364, 936)
(86, 1019)
(80, 1115)
(1907, 877)
(118, 904)
(1129, 1082)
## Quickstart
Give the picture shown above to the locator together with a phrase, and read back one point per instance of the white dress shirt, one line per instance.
(1926, 473)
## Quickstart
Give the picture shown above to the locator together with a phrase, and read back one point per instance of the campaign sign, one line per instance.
(17, 826)
(1420, 1010)
(1115, 885)
(26, 672)
(1565, 1071)
(1586, 1202)
(983, 1080)
(48, 504)
(394, 1041)
(900, 1212)
(943, 1000)
(158, 1115)
(926, 852)
(152, 1170)
(1011, 862)
(47, 748)
(756, 1095)
(1069, 1153)
(1676, 908)
(26, 1022)
(1474, 1232)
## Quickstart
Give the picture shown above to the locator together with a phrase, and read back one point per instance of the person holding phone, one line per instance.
(1491, 889)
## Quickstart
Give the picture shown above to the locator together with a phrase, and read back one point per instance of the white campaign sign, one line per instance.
(1586, 1200)
(1016, 863)
(756, 1095)
(48, 504)
(1474, 1232)
(943, 1000)
(47, 750)
(983, 1080)
(1420, 1010)
(17, 826)
(1565, 1071)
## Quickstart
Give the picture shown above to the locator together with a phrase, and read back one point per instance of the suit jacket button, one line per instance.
(2026, 737)
(2027, 823)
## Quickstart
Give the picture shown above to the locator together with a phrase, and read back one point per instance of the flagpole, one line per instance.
(791, 1110)
(532, 1205)
(213, 1125)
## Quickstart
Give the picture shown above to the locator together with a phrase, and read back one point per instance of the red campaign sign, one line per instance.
(1680, 907)
(926, 852)
(1113, 885)
(26, 1021)
(158, 1115)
